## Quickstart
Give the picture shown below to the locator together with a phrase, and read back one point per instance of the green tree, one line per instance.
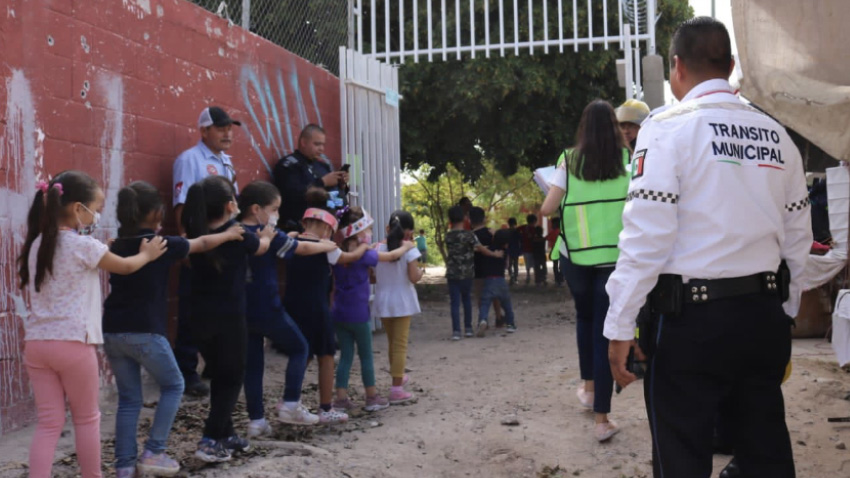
(501, 197)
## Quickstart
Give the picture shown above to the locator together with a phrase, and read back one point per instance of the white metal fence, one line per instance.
(370, 134)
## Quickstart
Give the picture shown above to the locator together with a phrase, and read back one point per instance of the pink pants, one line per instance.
(60, 369)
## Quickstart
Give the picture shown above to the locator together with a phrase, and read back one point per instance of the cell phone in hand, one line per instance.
(345, 168)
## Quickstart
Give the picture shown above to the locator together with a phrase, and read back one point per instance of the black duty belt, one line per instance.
(699, 291)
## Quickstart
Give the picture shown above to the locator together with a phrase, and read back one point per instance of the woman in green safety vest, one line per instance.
(589, 188)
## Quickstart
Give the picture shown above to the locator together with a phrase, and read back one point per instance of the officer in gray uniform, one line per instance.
(717, 205)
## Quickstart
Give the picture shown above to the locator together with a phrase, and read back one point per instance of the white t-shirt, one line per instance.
(69, 305)
(395, 295)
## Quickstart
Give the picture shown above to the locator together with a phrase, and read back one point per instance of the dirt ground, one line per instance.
(465, 389)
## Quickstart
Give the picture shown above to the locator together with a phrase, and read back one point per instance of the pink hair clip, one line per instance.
(42, 185)
(59, 187)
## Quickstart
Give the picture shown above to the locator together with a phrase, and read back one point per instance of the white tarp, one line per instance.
(795, 63)
(841, 327)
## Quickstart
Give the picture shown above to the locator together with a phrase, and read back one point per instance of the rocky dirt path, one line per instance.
(467, 389)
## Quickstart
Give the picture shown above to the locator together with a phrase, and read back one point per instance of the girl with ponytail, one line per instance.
(396, 300)
(135, 323)
(59, 269)
(350, 312)
(218, 306)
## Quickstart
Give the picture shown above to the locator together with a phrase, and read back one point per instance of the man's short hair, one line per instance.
(456, 215)
(307, 132)
(422, 231)
(476, 215)
(531, 219)
(464, 201)
(512, 221)
(703, 45)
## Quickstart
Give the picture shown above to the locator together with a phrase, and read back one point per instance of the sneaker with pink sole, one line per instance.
(345, 404)
(373, 404)
(400, 396)
(158, 464)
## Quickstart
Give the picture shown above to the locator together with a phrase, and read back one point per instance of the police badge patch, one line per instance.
(638, 161)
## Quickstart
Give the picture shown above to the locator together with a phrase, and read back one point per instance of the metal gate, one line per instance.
(370, 134)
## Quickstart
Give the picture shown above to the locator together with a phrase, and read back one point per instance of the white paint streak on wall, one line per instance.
(18, 158)
(138, 7)
(112, 142)
(21, 156)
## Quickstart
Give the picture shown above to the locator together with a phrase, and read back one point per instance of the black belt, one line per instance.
(699, 291)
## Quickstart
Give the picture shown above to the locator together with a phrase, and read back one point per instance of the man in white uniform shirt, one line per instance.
(206, 158)
(717, 200)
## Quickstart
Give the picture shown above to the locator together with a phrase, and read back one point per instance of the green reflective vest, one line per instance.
(591, 217)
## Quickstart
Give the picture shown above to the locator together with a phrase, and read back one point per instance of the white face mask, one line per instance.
(87, 230)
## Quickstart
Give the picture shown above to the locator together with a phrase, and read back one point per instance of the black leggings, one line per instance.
(222, 342)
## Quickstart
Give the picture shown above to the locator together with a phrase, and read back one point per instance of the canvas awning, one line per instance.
(795, 59)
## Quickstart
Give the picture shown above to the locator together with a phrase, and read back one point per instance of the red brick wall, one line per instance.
(114, 87)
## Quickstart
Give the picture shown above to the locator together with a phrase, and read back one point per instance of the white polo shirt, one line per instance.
(195, 164)
(717, 191)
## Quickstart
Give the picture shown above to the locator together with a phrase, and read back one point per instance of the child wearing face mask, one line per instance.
(135, 326)
(218, 307)
(59, 269)
(350, 312)
(259, 204)
(307, 298)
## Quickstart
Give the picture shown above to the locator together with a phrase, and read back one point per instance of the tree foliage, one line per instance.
(500, 196)
(518, 110)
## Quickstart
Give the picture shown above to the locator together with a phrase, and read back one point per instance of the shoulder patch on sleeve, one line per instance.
(289, 161)
(638, 163)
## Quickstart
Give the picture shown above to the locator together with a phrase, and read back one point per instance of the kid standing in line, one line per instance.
(396, 300)
(352, 320)
(259, 204)
(59, 268)
(495, 286)
(461, 246)
(218, 308)
(483, 262)
(135, 325)
(308, 292)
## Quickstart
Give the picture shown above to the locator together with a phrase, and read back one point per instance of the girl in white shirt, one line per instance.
(396, 300)
(59, 269)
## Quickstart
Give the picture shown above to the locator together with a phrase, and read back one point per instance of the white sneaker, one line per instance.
(296, 416)
(332, 416)
(257, 428)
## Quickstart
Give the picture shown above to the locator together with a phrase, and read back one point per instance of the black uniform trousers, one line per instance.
(734, 349)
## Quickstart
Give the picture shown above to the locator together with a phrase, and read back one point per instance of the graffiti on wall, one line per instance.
(265, 100)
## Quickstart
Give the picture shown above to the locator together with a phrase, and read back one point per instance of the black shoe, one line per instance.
(731, 470)
(237, 443)
(196, 388)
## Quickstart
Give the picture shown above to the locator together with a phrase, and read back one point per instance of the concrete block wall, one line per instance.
(114, 88)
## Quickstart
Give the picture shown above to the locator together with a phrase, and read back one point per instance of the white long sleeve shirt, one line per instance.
(717, 191)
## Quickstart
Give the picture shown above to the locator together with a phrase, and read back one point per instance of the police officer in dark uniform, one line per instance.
(717, 207)
(297, 172)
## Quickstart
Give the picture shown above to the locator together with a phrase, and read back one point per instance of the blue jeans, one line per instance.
(495, 288)
(587, 285)
(460, 290)
(287, 337)
(127, 353)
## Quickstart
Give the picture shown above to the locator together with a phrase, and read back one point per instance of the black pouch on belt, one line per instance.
(783, 276)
